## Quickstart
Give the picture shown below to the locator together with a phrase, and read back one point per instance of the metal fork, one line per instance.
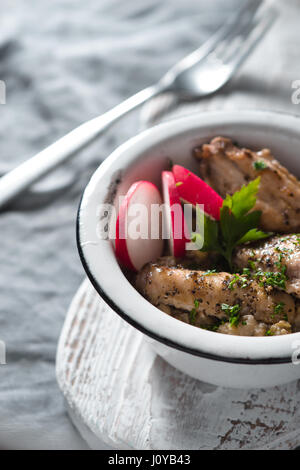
(199, 74)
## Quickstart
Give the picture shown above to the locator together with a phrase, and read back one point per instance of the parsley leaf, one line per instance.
(237, 225)
(210, 239)
(242, 201)
(252, 235)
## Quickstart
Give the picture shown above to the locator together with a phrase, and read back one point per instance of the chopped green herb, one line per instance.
(279, 308)
(233, 312)
(237, 225)
(260, 165)
(179, 183)
(233, 281)
(239, 280)
(193, 312)
(209, 272)
(273, 279)
(283, 269)
(246, 272)
(243, 282)
(251, 264)
(192, 316)
(269, 333)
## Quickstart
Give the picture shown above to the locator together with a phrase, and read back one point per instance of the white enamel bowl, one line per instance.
(229, 361)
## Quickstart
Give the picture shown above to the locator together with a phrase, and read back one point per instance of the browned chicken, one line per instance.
(276, 254)
(207, 297)
(226, 168)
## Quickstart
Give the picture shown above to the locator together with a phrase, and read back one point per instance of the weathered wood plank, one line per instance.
(128, 397)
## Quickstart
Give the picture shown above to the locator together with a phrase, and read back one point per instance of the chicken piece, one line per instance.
(276, 254)
(280, 328)
(173, 312)
(203, 295)
(247, 326)
(226, 168)
(184, 316)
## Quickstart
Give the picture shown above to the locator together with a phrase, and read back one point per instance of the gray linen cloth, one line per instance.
(63, 62)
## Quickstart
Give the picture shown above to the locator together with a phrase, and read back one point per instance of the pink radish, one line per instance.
(174, 216)
(135, 251)
(194, 190)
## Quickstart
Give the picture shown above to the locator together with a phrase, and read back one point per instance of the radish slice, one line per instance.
(135, 243)
(194, 190)
(174, 216)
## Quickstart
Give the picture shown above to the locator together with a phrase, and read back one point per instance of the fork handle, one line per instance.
(27, 173)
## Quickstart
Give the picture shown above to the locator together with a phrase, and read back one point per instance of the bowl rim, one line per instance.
(191, 340)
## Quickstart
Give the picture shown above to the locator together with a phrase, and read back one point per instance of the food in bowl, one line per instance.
(221, 359)
(245, 278)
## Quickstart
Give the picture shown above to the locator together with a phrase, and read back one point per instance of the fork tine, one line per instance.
(254, 34)
(233, 40)
(246, 13)
(231, 46)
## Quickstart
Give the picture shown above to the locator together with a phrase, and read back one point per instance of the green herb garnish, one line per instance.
(233, 312)
(233, 281)
(237, 225)
(269, 278)
(193, 312)
(241, 281)
(260, 165)
(192, 316)
(279, 308)
(251, 264)
(246, 272)
(209, 272)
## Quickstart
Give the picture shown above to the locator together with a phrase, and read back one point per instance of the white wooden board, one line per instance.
(118, 391)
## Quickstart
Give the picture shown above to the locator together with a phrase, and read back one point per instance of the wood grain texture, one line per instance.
(118, 391)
